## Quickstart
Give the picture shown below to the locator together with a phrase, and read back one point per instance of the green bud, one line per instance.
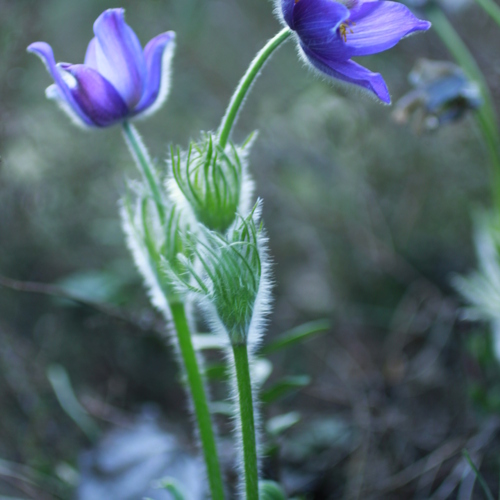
(235, 282)
(153, 242)
(213, 180)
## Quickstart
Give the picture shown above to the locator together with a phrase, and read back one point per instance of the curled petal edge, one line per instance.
(158, 54)
(44, 52)
(349, 72)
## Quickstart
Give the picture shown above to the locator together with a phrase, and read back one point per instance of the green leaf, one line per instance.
(281, 423)
(296, 335)
(61, 384)
(491, 8)
(216, 371)
(173, 487)
(479, 477)
(284, 387)
(269, 490)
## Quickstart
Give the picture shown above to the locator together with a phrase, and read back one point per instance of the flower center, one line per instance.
(344, 28)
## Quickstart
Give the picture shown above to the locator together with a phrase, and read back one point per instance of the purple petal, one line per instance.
(91, 55)
(95, 96)
(351, 72)
(44, 51)
(287, 11)
(316, 21)
(378, 26)
(158, 54)
(119, 57)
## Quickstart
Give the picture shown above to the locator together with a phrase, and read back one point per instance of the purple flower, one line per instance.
(331, 32)
(118, 80)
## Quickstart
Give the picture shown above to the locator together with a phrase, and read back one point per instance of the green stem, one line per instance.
(200, 402)
(188, 354)
(486, 115)
(246, 83)
(247, 421)
(491, 8)
(143, 161)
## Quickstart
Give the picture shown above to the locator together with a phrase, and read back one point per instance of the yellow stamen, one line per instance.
(344, 27)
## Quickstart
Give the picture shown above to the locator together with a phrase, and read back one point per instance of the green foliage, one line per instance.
(284, 387)
(269, 490)
(280, 423)
(172, 487)
(479, 477)
(295, 336)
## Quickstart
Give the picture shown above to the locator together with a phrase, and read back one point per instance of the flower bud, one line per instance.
(213, 180)
(153, 243)
(235, 279)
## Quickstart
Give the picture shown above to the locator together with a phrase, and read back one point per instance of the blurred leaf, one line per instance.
(260, 370)
(173, 487)
(216, 371)
(58, 378)
(95, 286)
(284, 387)
(491, 8)
(269, 490)
(281, 423)
(478, 475)
(296, 335)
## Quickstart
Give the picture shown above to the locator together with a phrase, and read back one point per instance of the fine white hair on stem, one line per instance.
(236, 417)
(132, 226)
(232, 282)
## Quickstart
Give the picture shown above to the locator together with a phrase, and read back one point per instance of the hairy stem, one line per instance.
(200, 402)
(246, 83)
(486, 116)
(245, 399)
(189, 359)
(143, 161)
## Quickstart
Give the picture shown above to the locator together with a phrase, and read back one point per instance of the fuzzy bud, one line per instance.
(153, 243)
(235, 279)
(213, 180)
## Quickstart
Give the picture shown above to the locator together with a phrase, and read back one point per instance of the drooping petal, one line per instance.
(352, 73)
(119, 57)
(158, 54)
(95, 96)
(44, 51)
(316, 21)
(378, 26)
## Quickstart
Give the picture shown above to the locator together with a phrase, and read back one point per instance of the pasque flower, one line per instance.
(331, 32)
(118, 80)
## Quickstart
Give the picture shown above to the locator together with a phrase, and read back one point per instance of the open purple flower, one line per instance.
(118, 80)
(331, 32)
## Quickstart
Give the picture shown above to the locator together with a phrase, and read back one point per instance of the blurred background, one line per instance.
(368, 222)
